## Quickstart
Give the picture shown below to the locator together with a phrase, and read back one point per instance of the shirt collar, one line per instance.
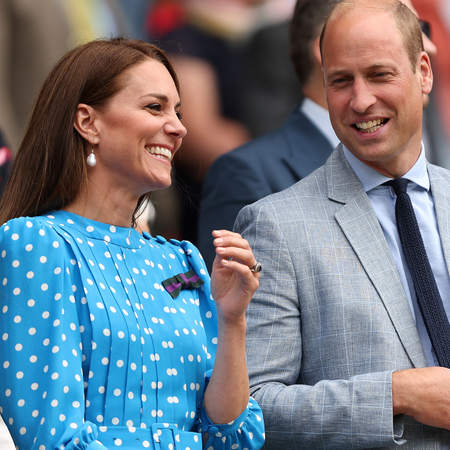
(370, 178)
(320, 118)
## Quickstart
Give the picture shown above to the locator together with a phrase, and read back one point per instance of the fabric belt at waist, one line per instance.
(160, 437)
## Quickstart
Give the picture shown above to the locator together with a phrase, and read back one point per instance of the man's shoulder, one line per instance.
(312, 188)
(438, 170)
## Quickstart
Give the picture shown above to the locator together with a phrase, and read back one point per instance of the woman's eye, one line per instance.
(154, 107)
(179, 115)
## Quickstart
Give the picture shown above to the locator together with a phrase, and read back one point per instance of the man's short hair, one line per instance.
(405, 21)
(306, 25)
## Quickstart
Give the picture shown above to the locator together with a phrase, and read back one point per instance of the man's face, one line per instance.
(374, 97)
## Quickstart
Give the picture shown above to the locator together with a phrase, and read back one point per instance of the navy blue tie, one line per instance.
(427, 293)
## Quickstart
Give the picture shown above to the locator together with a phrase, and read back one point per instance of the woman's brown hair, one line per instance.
(50, 165)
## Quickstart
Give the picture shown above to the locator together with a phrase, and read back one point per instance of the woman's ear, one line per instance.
(84, 122)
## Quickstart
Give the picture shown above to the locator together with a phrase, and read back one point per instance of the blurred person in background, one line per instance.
(136, 12)
(437, 113)
(33, 36)
(280, 158)
(5, 163)
(270, 85)
(92, 19)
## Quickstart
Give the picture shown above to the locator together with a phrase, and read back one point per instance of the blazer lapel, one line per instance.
(360, 225)
(440, 189)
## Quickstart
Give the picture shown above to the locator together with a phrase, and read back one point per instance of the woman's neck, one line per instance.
(103, 206)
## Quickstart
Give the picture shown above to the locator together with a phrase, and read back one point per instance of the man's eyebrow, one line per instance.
(378, 66)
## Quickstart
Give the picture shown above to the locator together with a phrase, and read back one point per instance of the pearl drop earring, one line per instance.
(91, 159)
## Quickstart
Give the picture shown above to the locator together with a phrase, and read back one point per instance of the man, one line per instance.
(279, 159)
(276, 160)
(337, 347)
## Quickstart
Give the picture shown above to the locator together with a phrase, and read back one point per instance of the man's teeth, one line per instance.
(160, 151)
(370, 126)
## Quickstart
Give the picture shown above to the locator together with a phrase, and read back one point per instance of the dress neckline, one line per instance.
(123, 236)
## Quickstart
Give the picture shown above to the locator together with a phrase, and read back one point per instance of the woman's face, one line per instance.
(139, 131)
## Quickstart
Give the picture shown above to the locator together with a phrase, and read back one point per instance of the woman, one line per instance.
(109, 335)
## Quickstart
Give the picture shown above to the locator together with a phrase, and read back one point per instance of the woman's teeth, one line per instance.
(370, 126)
(160, 152)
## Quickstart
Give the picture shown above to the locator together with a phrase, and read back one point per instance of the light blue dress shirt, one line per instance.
(383, 202)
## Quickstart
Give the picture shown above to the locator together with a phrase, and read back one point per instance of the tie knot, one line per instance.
(399, 185)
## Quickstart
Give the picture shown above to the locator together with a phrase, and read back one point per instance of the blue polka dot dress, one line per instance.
(94, 351)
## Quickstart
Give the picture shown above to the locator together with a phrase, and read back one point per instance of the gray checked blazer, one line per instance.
(330, 321)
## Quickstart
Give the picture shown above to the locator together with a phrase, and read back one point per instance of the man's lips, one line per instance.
(370, 126)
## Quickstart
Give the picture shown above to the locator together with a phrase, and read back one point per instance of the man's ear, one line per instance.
(84, 122)
(426, 72)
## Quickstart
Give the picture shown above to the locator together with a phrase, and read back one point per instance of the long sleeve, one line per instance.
(42, 394)
(247, 430)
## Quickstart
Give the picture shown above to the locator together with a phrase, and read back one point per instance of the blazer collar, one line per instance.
(360, 225)
(440, 190)
(343, 184)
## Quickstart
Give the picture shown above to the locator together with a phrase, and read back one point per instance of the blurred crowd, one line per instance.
(232, 57)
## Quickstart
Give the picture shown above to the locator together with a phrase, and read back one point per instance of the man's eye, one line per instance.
(340, 81)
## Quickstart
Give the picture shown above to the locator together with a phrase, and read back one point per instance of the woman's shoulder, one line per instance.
(181, 247)
(29, 231)
(184, 250)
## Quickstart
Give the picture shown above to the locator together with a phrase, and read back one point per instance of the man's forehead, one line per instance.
(359, 32)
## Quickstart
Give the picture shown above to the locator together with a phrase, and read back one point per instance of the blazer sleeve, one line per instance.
(333, 413)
